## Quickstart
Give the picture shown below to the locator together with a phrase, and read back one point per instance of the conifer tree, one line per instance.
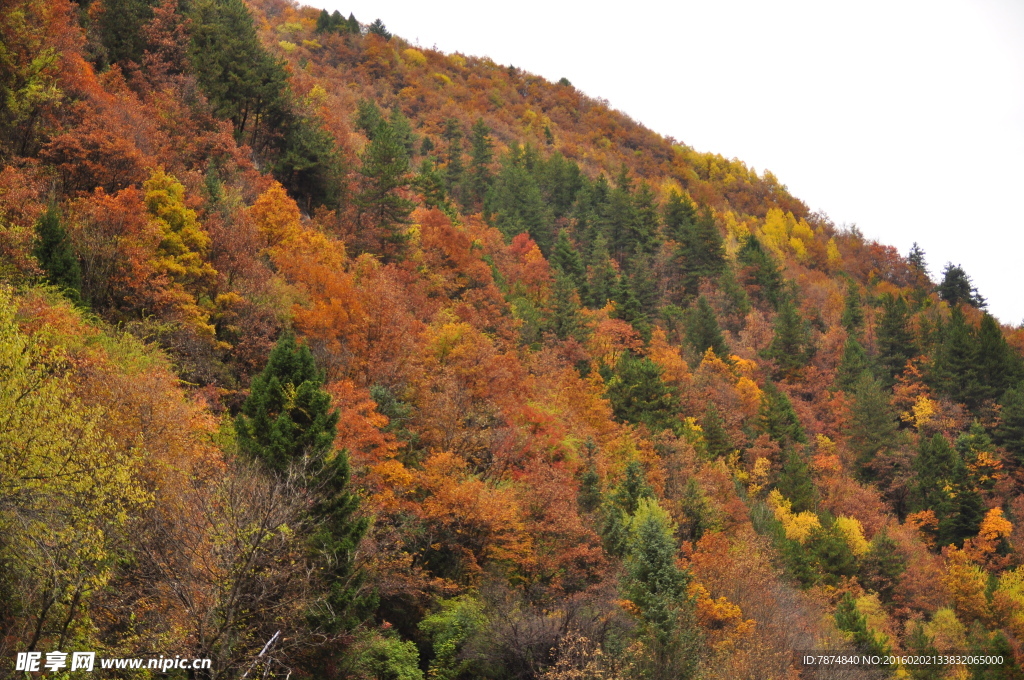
(516, 203)
(848, 618)
(998, 366)
(619, 217)
(956, 288)
(777, 418)
(873, 424)
(287, 415)
(853, 311)
(287, 422)
(589, 496)
(700, 253)
(954, 368)
(657, 587)
(882, 566)
(385, 171)
(353, 25)
(481, 154)
(565, 257)
(716, 439)
(565, 319)
(791, 346)
(894, 338)
(642, 279)
(703, 332)
(242, 81)
(759, 272)
(602, 277)
(323, 22)
(453, 158)
(1009, 433)
(679, 214)
(403, 131)
(368, 117)
(378, 28)
(620, 505)
(795, 482)
(646, 228)
(639, 395)
(629, 309)
(120, 29)
(919, 267)
(854, 362)
(55, 255)
(831, 559)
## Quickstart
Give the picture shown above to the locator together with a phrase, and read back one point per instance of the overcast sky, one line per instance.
(905, 118)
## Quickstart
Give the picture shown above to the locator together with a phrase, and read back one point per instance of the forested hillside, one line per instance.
(440, 370)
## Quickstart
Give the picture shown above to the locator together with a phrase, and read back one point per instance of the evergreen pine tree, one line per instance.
(603, 280)
(1009, 433)
(287, 415)
(628, 308)
(777, 418)
(287, 421)
(791, 346)
(853, 311)
(954, 370)
(353, 25)
(919, 644)
(759, 272)
(641, 271)
(679, 215)
(620, 505)
(646, 227)
(919, 267)
(883, 566)
(368, 117)
(516, 203)
(855, 361)
(323, 22)
(998, 366)
(385, 169)
(565, 319)
(589, 497)
(565, 257)
(454, 168)
(638, 394)
(241, 80)
(795, 482)
(894, 338)
(55, 255)
(956, 288)
(848, 618)
(657, 587)
(378, 28)
(873, 424)
(619, 218)
(703, 332)
(700, 253)
(403, 131)
(716, 439)
(481, 154)
(830, 555)
(120, 29)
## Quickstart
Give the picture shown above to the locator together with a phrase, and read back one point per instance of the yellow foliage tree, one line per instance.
(68, 493)
(798, 526)
(853, 533)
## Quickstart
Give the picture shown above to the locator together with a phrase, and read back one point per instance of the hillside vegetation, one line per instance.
(441, 370)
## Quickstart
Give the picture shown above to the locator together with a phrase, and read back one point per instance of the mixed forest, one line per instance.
(323, 355)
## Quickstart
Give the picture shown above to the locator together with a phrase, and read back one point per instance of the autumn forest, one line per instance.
(327, 356)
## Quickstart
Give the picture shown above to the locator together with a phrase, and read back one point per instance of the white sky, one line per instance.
(904, 117)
